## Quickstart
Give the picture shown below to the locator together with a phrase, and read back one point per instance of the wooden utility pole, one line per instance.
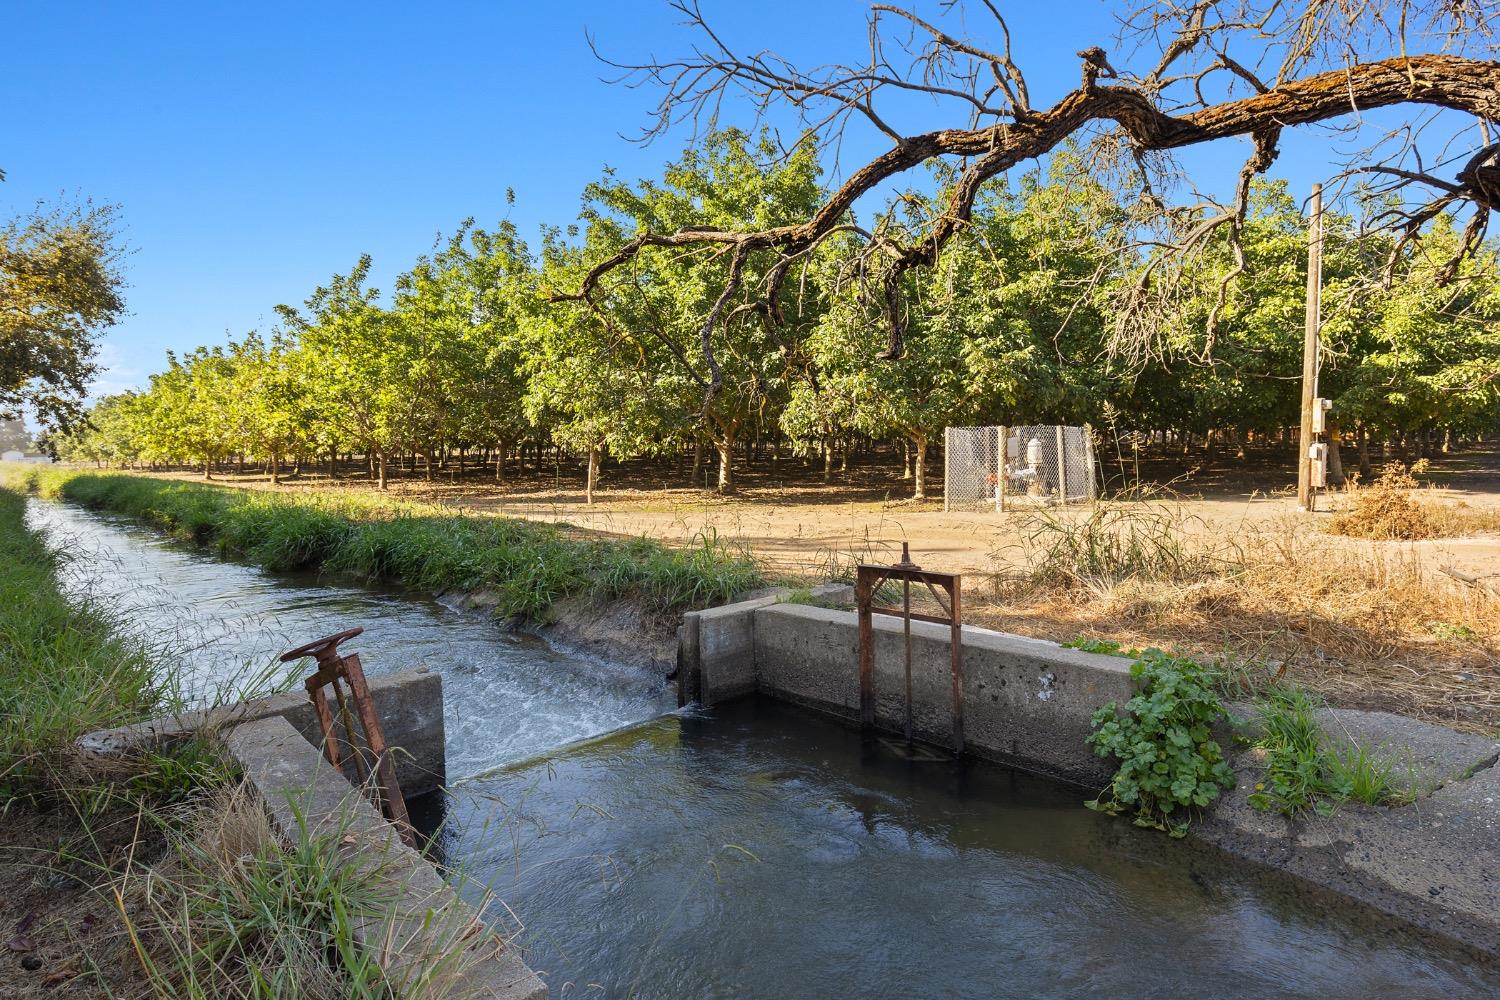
(1305, 496)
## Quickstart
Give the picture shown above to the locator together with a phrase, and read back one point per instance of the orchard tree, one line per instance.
(1421, 349)
(730, 372)
(60, 288)
(359, 363)
(472, 301)
(1192, 72)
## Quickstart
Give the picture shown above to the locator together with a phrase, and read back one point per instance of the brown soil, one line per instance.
(798, 525)
(63, 933)
(1381, 641)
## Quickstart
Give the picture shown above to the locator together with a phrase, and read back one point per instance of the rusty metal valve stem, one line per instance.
(335, 670)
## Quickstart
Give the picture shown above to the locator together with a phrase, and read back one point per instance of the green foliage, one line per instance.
(178, 772)
(527, 564)
(1453, 633)
(484, 345)
(1169, 764)
(63, 669)
(60, 285)
(235, 913)
(1302, 772)
(1106, 647)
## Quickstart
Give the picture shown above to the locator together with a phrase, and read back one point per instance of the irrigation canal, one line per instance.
(760, 851)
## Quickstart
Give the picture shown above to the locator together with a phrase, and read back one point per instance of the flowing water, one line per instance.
(759, 850)
(506, 696)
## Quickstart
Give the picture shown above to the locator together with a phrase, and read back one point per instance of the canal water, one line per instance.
(760, 851)
(506, 696)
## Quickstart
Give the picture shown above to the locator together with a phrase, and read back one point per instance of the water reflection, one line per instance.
(766, 852)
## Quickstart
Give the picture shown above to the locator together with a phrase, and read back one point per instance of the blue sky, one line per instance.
(257, 148)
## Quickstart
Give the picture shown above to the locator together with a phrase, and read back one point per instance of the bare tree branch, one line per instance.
(1004, 130)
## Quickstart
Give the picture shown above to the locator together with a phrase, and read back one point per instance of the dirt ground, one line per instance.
(792, 521)
(63, 933)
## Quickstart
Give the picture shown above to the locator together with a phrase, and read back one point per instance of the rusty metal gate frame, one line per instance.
(867, 582)
(333, 669)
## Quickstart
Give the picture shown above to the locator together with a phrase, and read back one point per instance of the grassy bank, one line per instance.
(63, 669)
(157, 875)
(525, 566)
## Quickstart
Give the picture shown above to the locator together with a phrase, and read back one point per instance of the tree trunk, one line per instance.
(697, 461)
(380, 463)
(275, 467)
(919, 473)
(725, 447)
(500, 463)
(1335, 456)
(905, 459)
(208, 468)
(1362, 443)
(593, 476)
(827, 460)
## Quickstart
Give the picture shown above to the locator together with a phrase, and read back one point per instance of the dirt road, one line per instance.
(806, 528)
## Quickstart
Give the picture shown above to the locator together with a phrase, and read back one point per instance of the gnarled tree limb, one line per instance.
(1018, 132)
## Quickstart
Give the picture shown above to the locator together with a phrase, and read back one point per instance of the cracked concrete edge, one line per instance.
(430, 939)
(1432, 864)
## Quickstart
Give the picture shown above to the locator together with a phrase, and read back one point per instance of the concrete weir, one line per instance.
(1027, 703)
(429, 936)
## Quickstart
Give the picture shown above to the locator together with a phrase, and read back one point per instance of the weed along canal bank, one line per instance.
(756, 842)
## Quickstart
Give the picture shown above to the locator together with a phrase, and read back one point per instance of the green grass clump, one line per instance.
(63, 670)
(527, 565)
(1302, 772)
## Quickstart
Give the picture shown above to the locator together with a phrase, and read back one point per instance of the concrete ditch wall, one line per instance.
(429, 937)
(409, 703)
(1026, 703)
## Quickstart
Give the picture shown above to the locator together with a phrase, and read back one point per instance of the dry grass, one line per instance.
(1367, 625)
(236, 913)
(1390, 509)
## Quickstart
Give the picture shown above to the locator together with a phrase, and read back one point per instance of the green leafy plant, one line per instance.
(1169, 763)
(1453, 633)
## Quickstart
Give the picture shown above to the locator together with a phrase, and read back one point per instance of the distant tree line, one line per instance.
(479, 355)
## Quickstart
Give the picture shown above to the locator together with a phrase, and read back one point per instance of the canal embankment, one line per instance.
(172, 866)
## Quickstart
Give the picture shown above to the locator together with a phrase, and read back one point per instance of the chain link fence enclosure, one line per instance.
(1000, 468)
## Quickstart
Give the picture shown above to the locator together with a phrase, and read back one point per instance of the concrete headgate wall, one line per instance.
(1026, 702)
